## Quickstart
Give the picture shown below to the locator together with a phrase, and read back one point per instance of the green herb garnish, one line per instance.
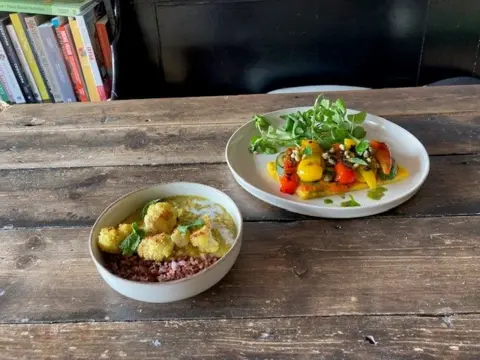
(349, 203)
(362, 146)
(328, 201)
(391, 176)
(145, 208)
(358, 161)
(307, 151)
(184, 228)
(357, 118)
(130, 244)
(377, 193)
(326, 122)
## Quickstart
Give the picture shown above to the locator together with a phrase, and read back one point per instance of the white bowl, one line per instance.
(172, 290)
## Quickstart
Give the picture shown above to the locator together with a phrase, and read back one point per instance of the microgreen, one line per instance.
(362, 146)
(326, 122)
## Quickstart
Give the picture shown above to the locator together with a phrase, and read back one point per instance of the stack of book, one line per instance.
(55, 51)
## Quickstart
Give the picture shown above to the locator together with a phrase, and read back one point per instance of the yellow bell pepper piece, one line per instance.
(316, 149)
(349, 143)
(359, 176)
(272, 170)
(369, 177)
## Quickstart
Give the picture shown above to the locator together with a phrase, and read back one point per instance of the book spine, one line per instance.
(87, 37)
(15, 6)
(11, 84)
(15, 64)
(56, 63)
(20, 30)
(93, 92)
(36, 41)
(104, 42)
(70, 56)
(3, 94)
(23, 62)
(4, 82)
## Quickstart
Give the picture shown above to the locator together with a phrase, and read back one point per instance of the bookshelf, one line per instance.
(57, 51)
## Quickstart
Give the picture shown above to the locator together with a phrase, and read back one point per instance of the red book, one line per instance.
(104, 41)
(66, 43)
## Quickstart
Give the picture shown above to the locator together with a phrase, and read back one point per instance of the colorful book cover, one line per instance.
(23, 62)
(3, 94)
(32, 23)
(9, 80)
(14, 60)
(45, 7)
(56, 62)
(104, 37)
(4, 82)
(86, 24)
(93, 91)
(83, 31)
(21, 31)
(65, 40)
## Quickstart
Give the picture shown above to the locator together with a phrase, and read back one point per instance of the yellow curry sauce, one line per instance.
(191, 208)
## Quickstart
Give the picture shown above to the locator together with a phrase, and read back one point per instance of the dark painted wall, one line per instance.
(216, 47)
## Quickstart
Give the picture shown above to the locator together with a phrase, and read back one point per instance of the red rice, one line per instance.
(136, 269)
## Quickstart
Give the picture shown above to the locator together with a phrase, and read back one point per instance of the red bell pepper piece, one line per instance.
(344, 174)
(289, 183)
(289, 180)
(383, 155)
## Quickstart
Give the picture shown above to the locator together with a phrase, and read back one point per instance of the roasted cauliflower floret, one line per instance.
(110, 238)
(160, 218)
(203, 238)
(180, 239)
(157, 247)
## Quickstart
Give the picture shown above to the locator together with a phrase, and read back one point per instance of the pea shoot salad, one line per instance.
(324, 151)
(326, 122)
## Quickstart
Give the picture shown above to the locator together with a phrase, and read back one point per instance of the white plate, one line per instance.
(250, 170)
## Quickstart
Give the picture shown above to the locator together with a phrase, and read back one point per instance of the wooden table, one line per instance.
(302, 288)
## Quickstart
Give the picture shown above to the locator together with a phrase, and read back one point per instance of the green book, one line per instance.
(3, 94)
(45, 7)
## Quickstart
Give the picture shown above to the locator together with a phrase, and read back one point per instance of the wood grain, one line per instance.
(308, 268)
(77, 196)
(189, 143)
(224, 109)
(311, 338)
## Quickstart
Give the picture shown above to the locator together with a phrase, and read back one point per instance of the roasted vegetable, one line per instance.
(344, 174)
(310, 169)
(382, 155)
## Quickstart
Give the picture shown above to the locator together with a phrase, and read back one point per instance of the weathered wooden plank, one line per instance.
(311, 338)
(137, 144)
(225, 109)
(77, 196)
(309, 268)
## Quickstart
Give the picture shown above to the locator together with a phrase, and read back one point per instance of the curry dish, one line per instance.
(168, 239)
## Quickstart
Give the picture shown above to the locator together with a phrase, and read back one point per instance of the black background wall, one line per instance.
(220, 47)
